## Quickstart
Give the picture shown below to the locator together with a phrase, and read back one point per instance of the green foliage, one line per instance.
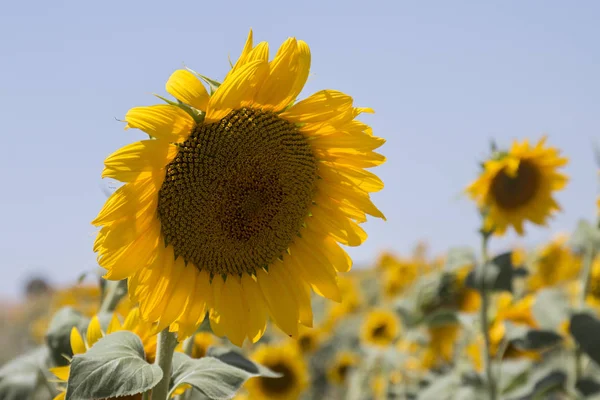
(585, 329)
(23, 377)
(114, 366)
(459, 257)
(59, 333)
(497, 275)
(212, 377)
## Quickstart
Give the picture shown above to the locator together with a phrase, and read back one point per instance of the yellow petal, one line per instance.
(61, 373)
(77, 343)
(231, 308)
(257, 319)
(280, 300)
(242, 58)
(185, 87)
(161, 121)
(179, 292)
(237, 90)
(287, 76)
(114, 324)
(319, 107)
(139, 159)
(94, 332)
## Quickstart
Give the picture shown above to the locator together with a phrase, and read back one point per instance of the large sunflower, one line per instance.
(517, 185)
(286, 360)
(238, 202)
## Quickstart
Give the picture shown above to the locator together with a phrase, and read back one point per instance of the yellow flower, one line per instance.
(380, 328)
(80, 344)
(593, 295)
(555, 264)
(238, 203)
(399, 275)
(440, 349)
(518, 312)
(518, 185)
(202, 341)
(351, 302)
(343, 362)
(309, 339)
(84, 298)
(285, 360)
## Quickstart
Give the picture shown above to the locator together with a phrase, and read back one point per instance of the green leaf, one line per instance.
(211, 376)
(585, 329)
(235, 359)
(551, 308)
(441, 388)
(588, 386)
(459, 257)
(19, 377)
(498, 275)
(197, 115)
(536, 339)
(58, 337)
(441, 317)
(115, 366)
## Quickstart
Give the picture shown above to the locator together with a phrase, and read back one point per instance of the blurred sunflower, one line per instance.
(454, 292)
(556, 263)
(351, 302)
(309, 339)
(518, 312)
(399, 276)
(517, 185)
(202, 341)
(80, 344)
(380, 328)
(83, 298)
(593, 296)
(237, 203)
(440, 349)
(283, 359)
(342, 364)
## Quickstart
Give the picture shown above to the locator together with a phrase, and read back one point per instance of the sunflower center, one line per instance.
(380, 331)
(343, 371)
(237, 193)
(306, 343)
(279, 385)
(513, 192)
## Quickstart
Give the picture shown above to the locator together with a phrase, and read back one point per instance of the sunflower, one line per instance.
(380, 328)
(517, 185)
(440, 350)
(80, 344)
(399, 275)
(309, 339)
(202, 341)
(238, 202)
(593, 294)
(283, 359)
(555, 264)
(518, 312)
(342, 364)
(351, 302)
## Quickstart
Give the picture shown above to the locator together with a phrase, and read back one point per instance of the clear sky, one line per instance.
(443, 77)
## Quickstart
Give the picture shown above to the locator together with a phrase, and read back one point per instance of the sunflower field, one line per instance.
(223, 270)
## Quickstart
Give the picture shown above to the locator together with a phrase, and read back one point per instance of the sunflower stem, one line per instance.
(588, 261)
(167, 341)
(115, 291)
(484, 317)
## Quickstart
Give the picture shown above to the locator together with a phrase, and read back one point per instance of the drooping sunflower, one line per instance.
(518, 185)
(342, 364)
(286, 360)
(80, 344)
(380, 328)
(238, 202)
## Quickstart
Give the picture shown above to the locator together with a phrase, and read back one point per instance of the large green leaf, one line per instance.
(115, 366)
(19, 378)
(212, 377)
(585, 328)
(59, 333)
(537, 339)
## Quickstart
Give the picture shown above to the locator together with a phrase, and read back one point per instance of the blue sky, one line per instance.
(443, 76)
